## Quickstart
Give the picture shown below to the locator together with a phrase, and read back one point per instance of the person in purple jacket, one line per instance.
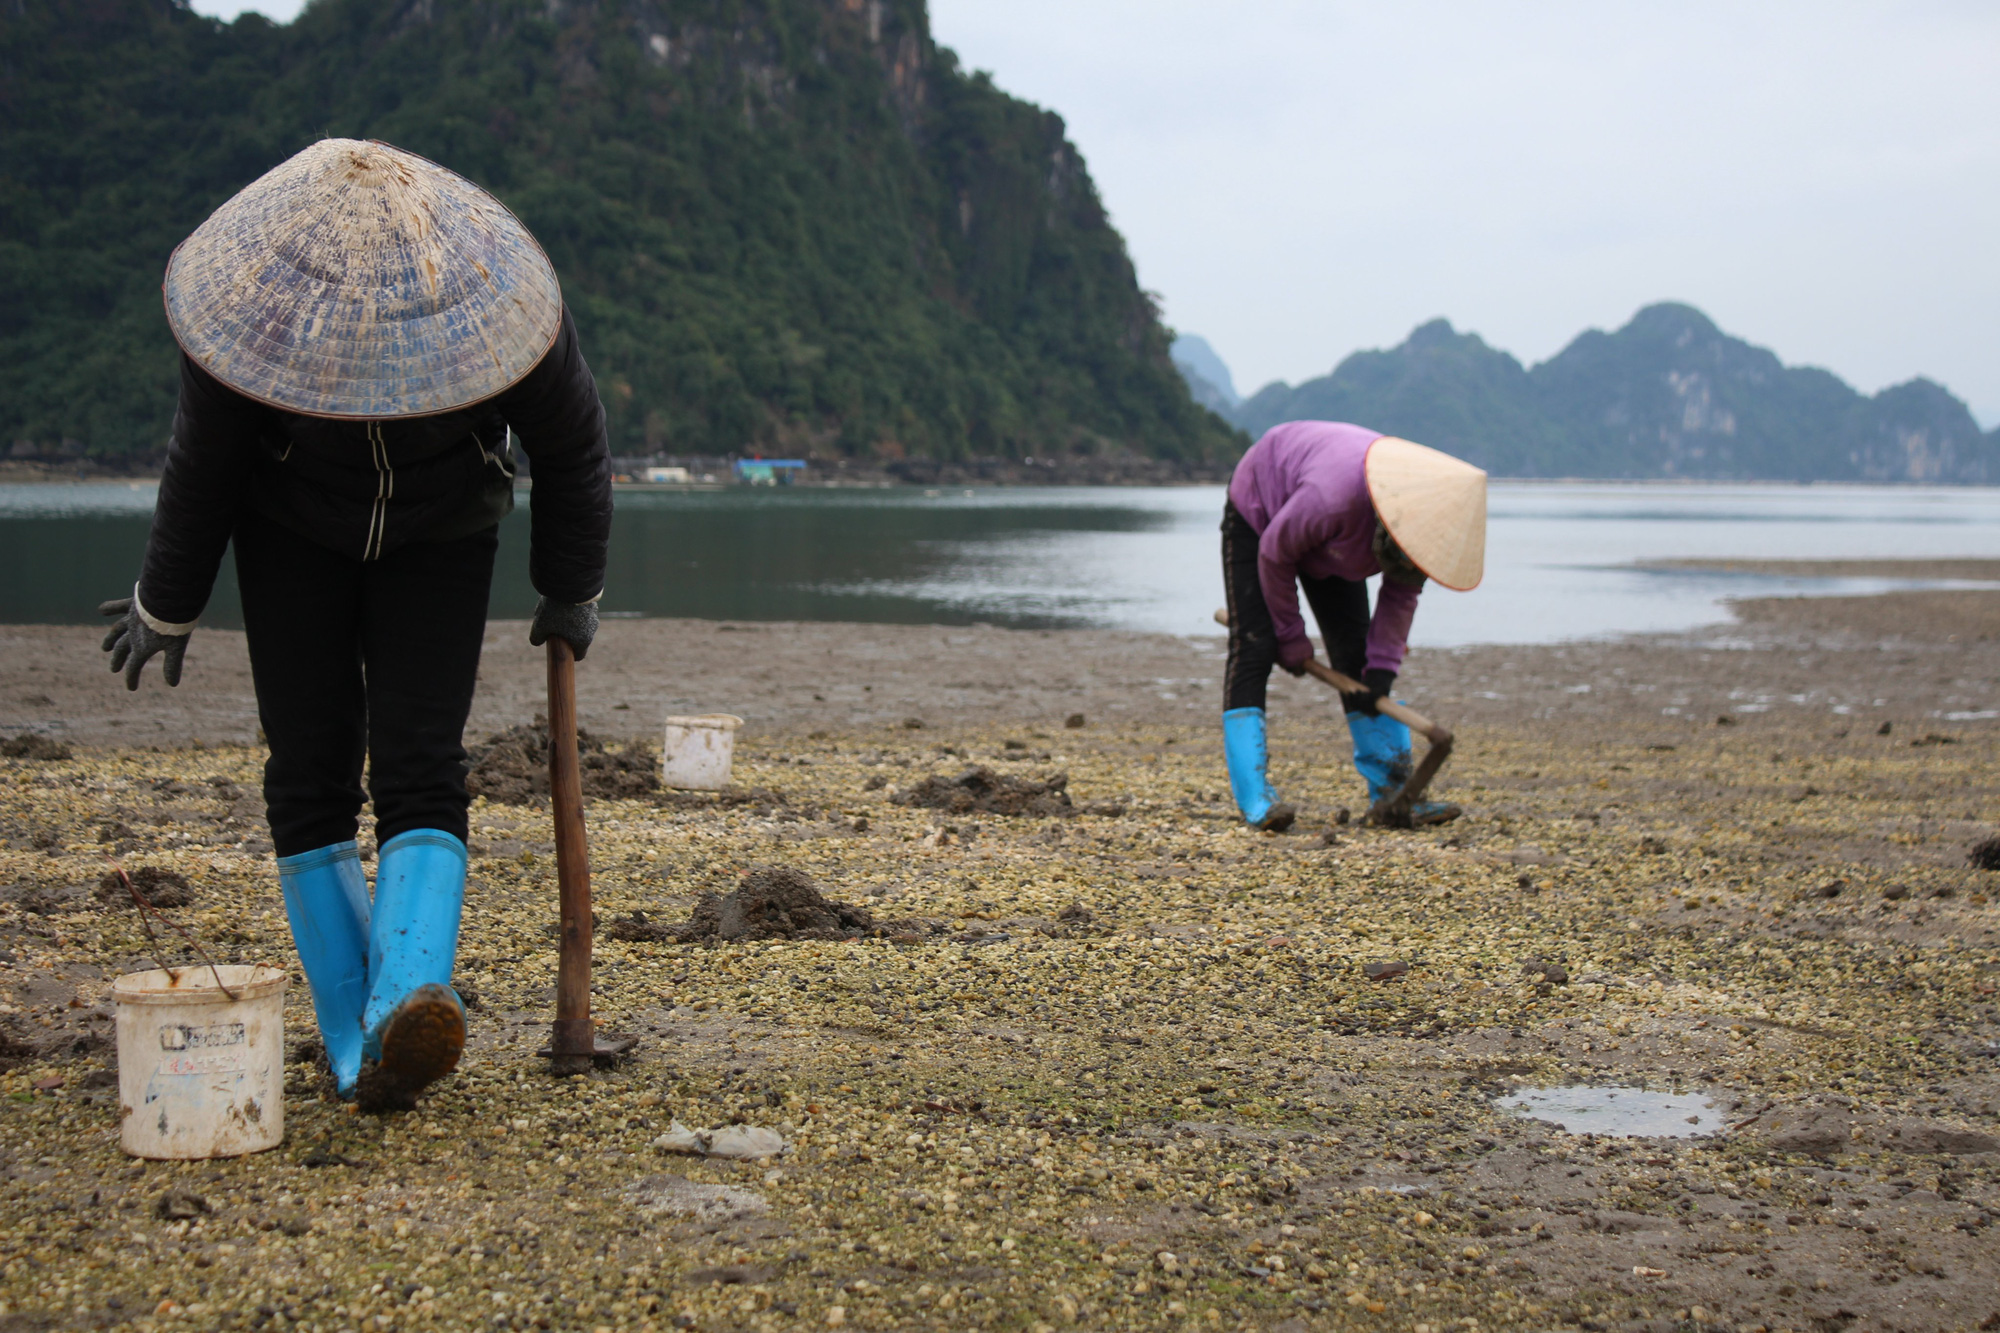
(1324, 505)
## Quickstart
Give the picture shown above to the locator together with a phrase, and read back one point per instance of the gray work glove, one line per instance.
(131, 641)
(575, 622)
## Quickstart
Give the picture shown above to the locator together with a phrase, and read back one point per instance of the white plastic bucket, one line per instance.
(698, 751)
(200, 1074)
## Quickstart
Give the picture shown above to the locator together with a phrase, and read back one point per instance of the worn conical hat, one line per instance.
(1434, 505)
(358, 280)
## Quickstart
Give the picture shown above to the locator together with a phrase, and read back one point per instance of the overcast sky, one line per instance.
(1301, 178)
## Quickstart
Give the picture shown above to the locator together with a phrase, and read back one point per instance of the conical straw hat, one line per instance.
(1434, 506)
(358, 280)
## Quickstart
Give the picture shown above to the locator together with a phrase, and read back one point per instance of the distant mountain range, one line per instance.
(1668, 396)
(1208, 379)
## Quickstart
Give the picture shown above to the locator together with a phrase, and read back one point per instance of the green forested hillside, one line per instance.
(783, 224)
(1668, 395)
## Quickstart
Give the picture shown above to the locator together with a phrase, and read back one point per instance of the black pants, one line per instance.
(1339, 605)
(355, 659)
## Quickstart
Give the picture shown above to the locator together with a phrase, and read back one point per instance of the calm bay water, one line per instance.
(1562, 558)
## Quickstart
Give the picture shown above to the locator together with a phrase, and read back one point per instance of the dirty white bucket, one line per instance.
(200, 1074)
(698, 751)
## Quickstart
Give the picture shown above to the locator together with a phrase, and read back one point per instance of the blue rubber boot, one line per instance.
(326, 901)
(1381, 752)
(414, 1023)
(1382, 755)
(1248, 757)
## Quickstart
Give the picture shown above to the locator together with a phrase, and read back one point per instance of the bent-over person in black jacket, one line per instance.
(361, 331)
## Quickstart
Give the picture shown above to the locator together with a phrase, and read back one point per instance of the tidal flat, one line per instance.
(1122, 1069)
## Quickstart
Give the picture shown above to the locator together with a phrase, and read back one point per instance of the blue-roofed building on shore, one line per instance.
(768, 471)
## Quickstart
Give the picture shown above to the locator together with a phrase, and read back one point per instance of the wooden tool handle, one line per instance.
(572, 1032)
(1388, 707)
(1346, 684)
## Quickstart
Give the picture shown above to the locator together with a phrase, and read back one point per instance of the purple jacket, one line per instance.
(1304, 488)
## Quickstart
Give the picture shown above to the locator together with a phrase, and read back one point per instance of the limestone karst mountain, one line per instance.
(1207, 377)
(790, 225)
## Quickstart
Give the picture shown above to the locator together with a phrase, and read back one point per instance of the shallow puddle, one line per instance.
(1634, 1113)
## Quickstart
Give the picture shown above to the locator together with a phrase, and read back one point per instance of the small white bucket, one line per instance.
(698, 751)
(200, 1074)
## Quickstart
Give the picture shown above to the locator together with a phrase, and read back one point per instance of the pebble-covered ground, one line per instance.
(1099, 1071)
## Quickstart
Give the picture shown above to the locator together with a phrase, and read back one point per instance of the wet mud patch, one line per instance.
(980, 790)
(16, 1049)
(42, 899)
(1645, 1234)
(34, 745)
(1828, 1127)
(677, 1196)
(58, 1014)
(762, 800)
(512, 767)
(638, 928)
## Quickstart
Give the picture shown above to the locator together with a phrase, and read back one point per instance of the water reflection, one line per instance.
(1564, 561)
(1634, 1113)
(894, 556)
(877, 556)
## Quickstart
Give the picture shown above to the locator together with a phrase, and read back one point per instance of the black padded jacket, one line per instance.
(364, 488)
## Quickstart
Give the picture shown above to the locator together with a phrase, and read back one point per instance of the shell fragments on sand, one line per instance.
(1081, 1043)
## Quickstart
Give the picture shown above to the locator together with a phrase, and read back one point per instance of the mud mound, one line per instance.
(775, 903)
(1986, 854)
(512, 768)
(634, 928)
(161, 888)
(32, 745)
(979, 789)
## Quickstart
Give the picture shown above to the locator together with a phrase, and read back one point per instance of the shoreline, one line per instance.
(1972, 569)
(1117, 471)
(1869, 655)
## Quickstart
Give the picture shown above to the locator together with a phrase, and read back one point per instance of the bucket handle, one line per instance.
(145, 907)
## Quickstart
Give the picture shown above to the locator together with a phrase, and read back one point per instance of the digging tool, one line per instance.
(1392, 811)
(574, 1045)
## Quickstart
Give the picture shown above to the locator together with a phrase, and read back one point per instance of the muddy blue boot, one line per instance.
(1382, 756)
(326, 901)
(1248, 757)
(414, 1024)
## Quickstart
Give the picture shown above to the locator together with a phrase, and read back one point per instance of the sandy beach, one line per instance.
(1106, 1070)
